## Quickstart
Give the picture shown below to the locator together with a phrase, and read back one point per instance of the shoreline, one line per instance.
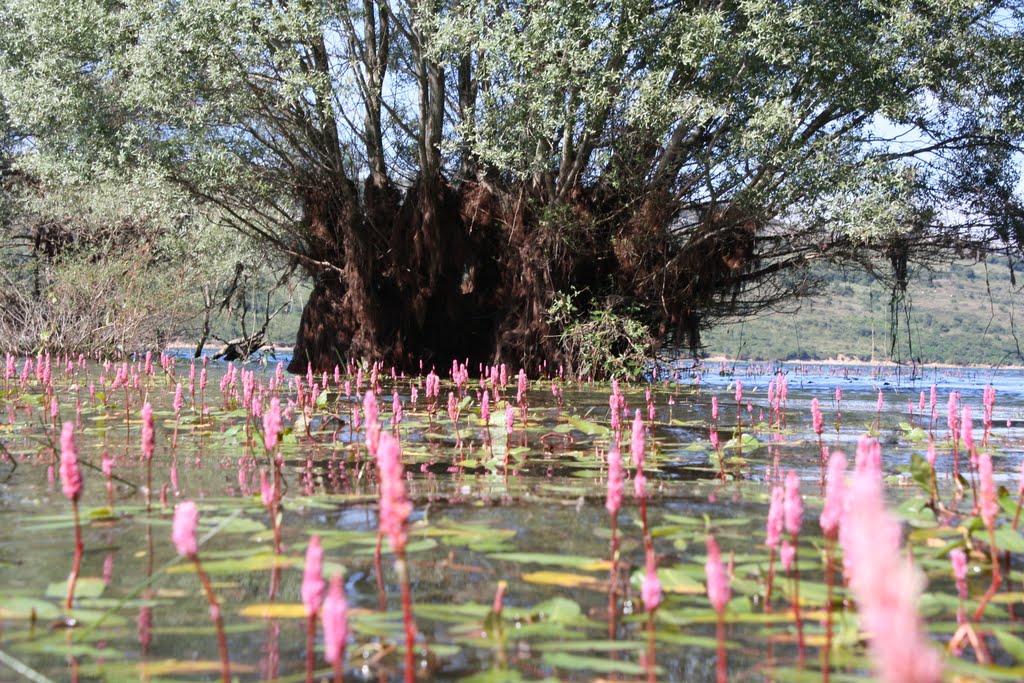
(853, 362)
(722, 359)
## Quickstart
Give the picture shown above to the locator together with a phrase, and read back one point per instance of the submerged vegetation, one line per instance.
(698, 526)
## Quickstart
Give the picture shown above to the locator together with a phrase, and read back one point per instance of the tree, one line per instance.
(445, 171)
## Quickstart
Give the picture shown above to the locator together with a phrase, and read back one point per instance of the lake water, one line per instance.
(527, 508)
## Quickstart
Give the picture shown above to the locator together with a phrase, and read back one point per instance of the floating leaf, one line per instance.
(174, 667)
(274, 610)
(745, 442)
(558, 610)
(565, 660)
(22, 608)
(242, 565)
(591, 646)
(85, 587)
(565, 580)
(589, 564)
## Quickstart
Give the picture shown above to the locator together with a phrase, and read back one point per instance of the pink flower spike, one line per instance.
(967, 428)
(717, 579)
(615, 480)
(183, 533)
(714, 408)
(266, 490)
(739, 391)
(70, 476)
(312, 579)
(835, 488)
(395, 508)
(272, 424)
(816, 418)
(650, 589)
(869, 457)
(148, 432)
(788, 555)
(793, 506)
(334, 615)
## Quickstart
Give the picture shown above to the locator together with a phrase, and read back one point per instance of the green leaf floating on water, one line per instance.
(85, 587)
(912, 433)
(604, 665)
(745, 442)
(22, 608)
(554, 560)
(591, 646)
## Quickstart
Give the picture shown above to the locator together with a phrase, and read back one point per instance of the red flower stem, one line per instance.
(652, 667)
(310, 646)
(771, 579)
(722, 676)
(77, 563)
(382, 598)
(410, 626)
(339, 676)
(612, 578)
(149, 484)
(218, 620)
(997, 578)
(821, 456)
(796, 604)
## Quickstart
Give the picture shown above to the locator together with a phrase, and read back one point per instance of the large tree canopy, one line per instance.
(447, 171)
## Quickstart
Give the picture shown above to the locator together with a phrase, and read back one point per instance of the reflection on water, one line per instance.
(525, 507)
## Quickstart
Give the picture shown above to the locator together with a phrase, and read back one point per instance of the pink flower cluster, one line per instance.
(395, 508)
(886, 587)
(183, 532)
(70, 476)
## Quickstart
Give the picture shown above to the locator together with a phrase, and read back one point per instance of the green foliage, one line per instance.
(963, 312)
(608, 342)
(724, 144)
(117, 263)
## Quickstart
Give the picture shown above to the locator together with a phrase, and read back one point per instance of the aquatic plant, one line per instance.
(183, 533)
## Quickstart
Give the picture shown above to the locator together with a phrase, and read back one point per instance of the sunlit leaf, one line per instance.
(565, 580)
(274, 610)
(555, 560)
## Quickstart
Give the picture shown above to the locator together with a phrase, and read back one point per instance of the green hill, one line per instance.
(964, 313)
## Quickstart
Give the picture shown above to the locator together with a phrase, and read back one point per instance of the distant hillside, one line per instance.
(966, 313)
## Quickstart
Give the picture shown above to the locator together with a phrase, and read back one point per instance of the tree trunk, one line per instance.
(439, 273)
